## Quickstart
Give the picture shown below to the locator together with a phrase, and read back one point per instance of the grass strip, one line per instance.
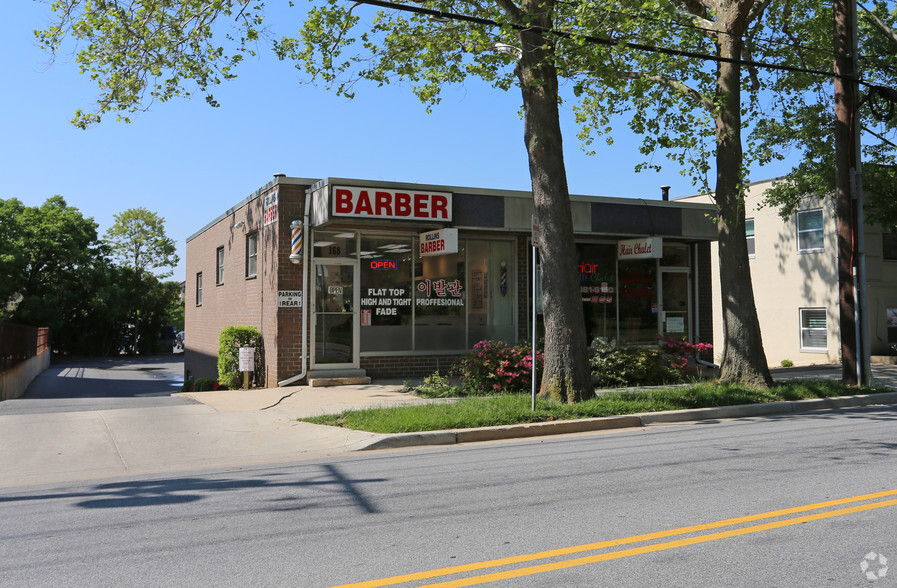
(510, 409)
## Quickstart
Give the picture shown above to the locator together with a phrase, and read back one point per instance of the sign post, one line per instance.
(535, 320)
(247, 364)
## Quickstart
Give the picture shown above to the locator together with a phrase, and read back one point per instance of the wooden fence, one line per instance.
(21, 342)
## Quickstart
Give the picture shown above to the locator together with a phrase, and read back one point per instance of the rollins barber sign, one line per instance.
(392, 204)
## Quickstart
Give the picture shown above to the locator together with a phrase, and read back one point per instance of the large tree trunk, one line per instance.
(743, 357)
(566, 375)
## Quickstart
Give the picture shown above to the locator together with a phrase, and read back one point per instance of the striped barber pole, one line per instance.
(296, 243)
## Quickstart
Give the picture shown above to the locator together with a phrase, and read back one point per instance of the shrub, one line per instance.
(787, 363)
(229, 343)
(438, 386)
(631, 366)
(200, 385)
(680, 351)
(493, 367)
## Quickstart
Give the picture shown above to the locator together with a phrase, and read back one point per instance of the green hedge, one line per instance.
(229, 343)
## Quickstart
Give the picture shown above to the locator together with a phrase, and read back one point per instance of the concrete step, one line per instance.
(349, 381)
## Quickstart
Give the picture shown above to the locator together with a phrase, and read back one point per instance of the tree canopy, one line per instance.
(138, 241)
(807, 119)
(707, 83)
(55, 272)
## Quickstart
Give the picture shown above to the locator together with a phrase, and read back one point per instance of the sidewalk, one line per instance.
(235, 428)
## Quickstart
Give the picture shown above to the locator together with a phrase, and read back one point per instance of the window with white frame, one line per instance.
(219, 261)
(749, 233)
(810, 233)
(199, 289)
(252, 242)
(813, 329)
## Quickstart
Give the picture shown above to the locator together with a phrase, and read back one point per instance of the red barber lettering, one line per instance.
(403, 204)
(439, 206)
(383, 203)
(342, 202)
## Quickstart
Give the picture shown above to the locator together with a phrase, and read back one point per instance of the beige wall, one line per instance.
(786, 281)
(881, 290)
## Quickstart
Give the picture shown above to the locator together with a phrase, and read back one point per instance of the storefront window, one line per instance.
(675, 255)
(638, 302)
(440, 302)
(334, 244)
(491, 299)
(598, 286)
(386, 293)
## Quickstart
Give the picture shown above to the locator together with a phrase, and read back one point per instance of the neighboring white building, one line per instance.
(794, 270)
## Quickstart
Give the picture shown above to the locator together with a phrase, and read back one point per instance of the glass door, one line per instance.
(676, 302)
(335, 324)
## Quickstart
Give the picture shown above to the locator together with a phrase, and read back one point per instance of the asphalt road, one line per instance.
(546, 509)
(101, 384)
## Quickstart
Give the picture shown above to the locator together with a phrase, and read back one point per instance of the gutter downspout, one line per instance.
(305, 309)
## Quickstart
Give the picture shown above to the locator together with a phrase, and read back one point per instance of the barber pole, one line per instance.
(296, 249)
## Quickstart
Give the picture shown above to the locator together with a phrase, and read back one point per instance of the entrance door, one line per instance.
(336, 318)
(676, 302)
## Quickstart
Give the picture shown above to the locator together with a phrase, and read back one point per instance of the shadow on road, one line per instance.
(185, 490)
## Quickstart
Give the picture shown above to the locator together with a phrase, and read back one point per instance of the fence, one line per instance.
(20, 342)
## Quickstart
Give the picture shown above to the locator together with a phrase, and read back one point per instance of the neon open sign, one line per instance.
(384, 264)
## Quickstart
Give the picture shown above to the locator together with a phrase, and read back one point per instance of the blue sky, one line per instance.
(190, 162)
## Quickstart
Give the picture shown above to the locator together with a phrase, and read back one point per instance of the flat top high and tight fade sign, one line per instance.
(352, 201)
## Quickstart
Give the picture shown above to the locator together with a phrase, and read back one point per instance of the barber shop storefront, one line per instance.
(351, 278)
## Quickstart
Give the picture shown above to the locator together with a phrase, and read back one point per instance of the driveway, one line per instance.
(103, 384)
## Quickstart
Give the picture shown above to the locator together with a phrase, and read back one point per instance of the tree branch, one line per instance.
(880, 25)
(671, 83)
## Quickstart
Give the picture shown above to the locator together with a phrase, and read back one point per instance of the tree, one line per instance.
(138, 241)
(174, 40)
(518, 49)
(803, 99)
(53, 266)
(688, 100)
(832, 168)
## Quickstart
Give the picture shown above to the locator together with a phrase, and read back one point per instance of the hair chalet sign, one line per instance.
(644, 248)
(352, 201)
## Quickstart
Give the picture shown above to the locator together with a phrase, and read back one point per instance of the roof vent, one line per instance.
(665, 193)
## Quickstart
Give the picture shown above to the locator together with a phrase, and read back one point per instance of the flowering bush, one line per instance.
(494, 367)
(680, 352)
(200, 385)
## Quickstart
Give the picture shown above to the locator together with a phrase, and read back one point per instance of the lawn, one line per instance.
(509, 409)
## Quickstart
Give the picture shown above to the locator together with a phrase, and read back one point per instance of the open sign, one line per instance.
(384, 264)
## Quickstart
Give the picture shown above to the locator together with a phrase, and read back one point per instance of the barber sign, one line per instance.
(353, 201)
(439, 242)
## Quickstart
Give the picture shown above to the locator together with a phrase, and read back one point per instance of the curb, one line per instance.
(455, 436)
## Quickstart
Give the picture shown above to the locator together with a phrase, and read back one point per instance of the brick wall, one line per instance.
(407, 366)
(241, 300)
(289, 320)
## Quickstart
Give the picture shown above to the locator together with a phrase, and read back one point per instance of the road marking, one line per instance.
(393, 580)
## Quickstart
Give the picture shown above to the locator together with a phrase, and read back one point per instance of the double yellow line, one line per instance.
(609, 555)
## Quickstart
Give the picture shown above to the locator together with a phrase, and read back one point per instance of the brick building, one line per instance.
(397, 280)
